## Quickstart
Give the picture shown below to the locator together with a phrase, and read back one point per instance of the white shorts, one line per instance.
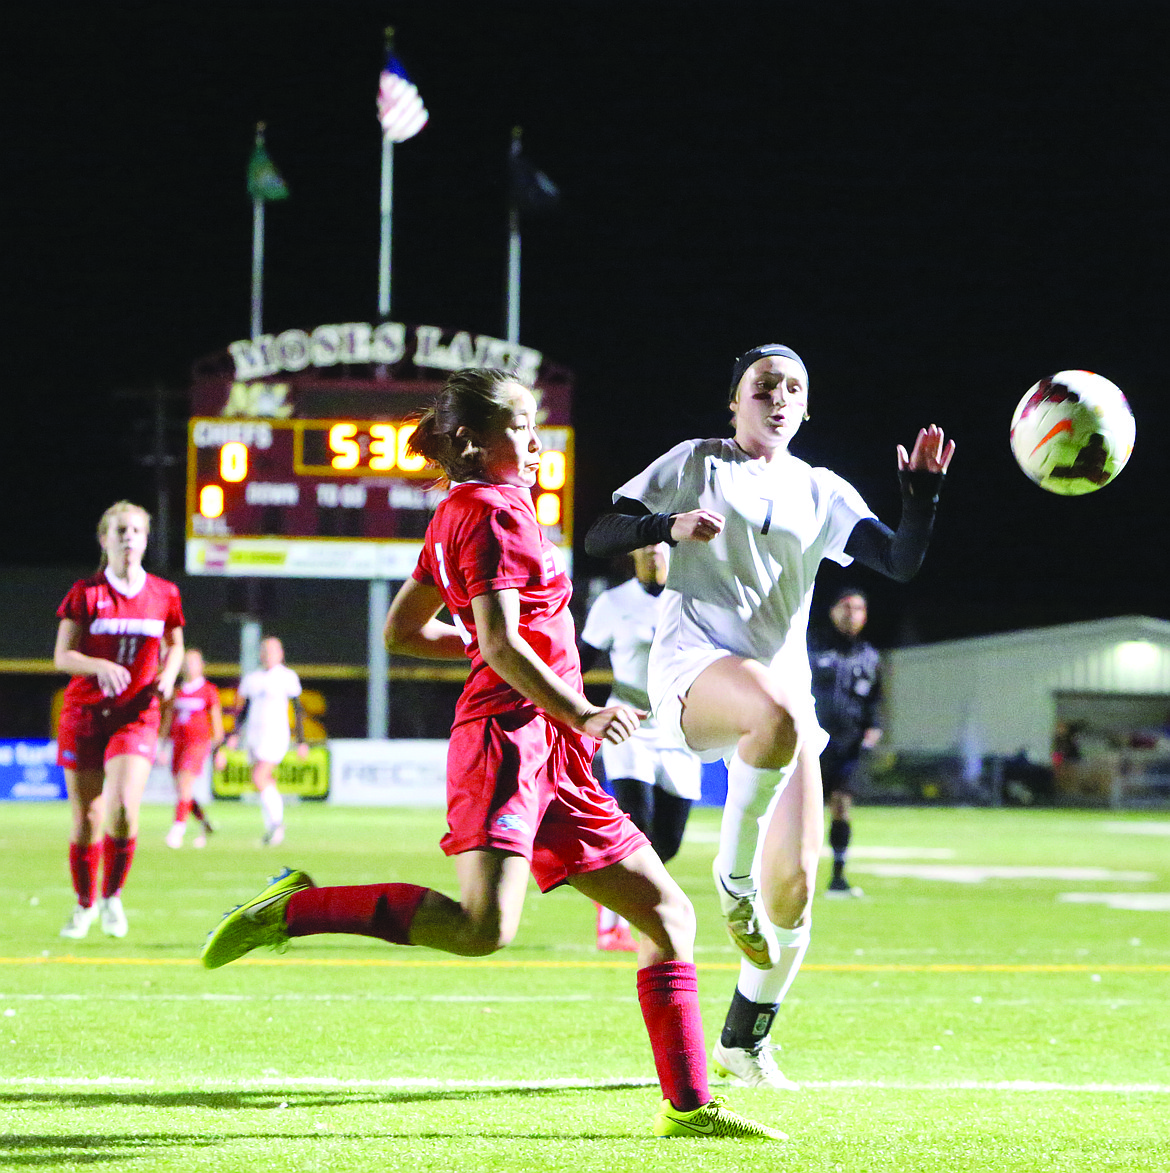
(270, 748)
(651, 758)
(671, 676)
(670, 680)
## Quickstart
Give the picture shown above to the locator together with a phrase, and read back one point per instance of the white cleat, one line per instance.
(199, 841)
(175, 835)
(77, 926)
(113, 917)
(273, 838)
(751, 1068)
(750, 931)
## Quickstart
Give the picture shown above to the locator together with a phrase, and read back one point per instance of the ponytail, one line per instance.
(470, 400)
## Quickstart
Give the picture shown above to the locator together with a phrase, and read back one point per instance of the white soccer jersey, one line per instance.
(749, 590)
(268, 691)
(622, 622)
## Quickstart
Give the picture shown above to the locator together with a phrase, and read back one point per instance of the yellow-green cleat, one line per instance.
(256, 922)
(714, 1118)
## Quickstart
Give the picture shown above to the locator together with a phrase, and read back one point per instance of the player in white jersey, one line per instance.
(262, 708)
(653, 779)
(729, 674)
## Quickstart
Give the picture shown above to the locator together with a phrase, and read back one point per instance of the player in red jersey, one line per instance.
(121, 640)
(520, 792)
(193, 720)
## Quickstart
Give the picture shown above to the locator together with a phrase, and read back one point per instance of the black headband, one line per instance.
(772, 349)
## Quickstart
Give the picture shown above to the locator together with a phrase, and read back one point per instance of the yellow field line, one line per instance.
(478, 963)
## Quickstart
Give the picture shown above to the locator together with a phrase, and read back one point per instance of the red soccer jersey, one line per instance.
(191, 719)
(486, 538)
(126, 629)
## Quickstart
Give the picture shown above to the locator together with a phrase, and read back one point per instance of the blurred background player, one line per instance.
(847, 689)
(262, 707)
(120, 637)
(521, 795)
(653, 780)
(193, 720)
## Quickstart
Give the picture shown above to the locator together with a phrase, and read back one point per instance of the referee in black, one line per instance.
(846, 682)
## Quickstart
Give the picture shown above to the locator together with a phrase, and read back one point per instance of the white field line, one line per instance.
(1161, 828)
(266, 998)
(980, 873)
(1128, 901)
(283, 1083)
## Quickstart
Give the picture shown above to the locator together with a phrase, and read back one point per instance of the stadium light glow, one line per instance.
(1137, 655)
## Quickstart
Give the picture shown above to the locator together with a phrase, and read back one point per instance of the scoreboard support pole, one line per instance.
(378, 688)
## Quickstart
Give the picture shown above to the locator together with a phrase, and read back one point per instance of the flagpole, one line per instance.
(402, 115)
(386, 208)
(250, 624)
(378, 591)
(514, 250)
(258, 252)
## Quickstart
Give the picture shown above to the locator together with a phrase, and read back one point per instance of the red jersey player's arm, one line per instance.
(172, 661)
(216, 714)
(112, 678)
(511, 657)
(168, 716)
(411, 627)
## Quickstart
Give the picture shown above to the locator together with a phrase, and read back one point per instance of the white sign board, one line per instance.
(371, 772)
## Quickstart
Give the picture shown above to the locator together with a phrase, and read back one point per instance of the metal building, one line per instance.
(1000, 694)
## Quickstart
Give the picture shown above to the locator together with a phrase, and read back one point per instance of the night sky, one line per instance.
(936, 204)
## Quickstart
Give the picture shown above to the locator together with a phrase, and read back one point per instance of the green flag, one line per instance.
(264, 182)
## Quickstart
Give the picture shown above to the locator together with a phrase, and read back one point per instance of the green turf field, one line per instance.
(978, 1010)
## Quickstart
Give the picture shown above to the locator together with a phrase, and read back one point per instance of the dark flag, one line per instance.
(264, 181)
(532, 190)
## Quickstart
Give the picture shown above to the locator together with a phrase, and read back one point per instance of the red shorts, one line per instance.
(518, 782)
(89, 735)
(188, 753)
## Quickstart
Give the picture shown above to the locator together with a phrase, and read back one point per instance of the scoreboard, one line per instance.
(330, 498)
(276, 487)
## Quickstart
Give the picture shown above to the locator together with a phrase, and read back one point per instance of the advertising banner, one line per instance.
(389, 773)
(29, 772)
(306, 778)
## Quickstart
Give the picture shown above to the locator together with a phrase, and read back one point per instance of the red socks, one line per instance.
(669, 996)
(83, 867)
(117, 855)
(370, 910)
(183, 809)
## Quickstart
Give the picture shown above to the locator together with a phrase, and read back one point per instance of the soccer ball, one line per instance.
(1072, 432)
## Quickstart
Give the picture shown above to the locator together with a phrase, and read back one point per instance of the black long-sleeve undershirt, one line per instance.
(630, 527)
(895, 553)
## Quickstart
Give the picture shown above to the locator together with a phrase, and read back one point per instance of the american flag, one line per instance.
(400, 109)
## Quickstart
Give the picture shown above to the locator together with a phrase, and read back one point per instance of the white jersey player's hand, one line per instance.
(614, 724)
(112, 678)
(932, 451)
(699, 525)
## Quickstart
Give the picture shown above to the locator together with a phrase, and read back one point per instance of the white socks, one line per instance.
(607, 920)
(272, 807)
(769, 986)
(750, 791)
